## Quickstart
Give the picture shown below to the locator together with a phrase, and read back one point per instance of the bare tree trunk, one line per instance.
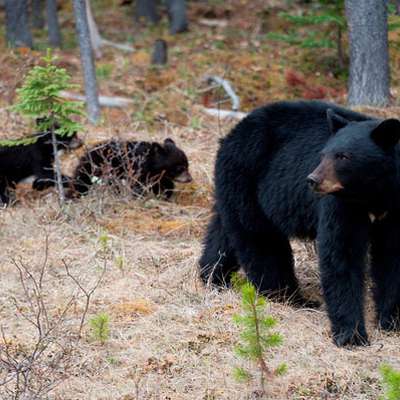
(17, 28)
(37, 14)
(177, 16)
(369, 80)
(53, 24)
(147, 9)
(89, 71)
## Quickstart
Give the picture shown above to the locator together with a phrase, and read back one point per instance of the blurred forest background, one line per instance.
(102, 300)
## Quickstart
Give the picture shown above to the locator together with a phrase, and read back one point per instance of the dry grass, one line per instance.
(171, 338)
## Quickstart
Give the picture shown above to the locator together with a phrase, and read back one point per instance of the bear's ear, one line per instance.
(169, 142)
(157, 149)
(335, 121)
(387, 133)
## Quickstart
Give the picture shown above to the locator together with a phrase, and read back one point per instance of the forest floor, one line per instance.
(170, 338)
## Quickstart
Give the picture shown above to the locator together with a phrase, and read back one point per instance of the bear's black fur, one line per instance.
(140, 165)
(263, 173)
(20, 161)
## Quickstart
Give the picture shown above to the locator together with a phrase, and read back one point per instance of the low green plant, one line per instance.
(100, 327)
(257, 336)
(391, 382)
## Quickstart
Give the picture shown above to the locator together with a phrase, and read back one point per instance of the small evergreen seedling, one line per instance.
(100, 327)
(256, 337)
(391, 382)
(40, 98)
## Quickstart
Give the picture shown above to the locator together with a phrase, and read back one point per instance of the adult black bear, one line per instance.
(20, 161)
(142, 165)
(263, 173)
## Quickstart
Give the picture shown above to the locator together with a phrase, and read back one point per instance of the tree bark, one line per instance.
(89, 72)
(37, 14)
(147, 9)
(369, 80)
(53, 23)
(17, 28)
(177, 16)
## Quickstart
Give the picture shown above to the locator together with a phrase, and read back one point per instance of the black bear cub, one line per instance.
(139, 165)
(20, 161)
(311, 170)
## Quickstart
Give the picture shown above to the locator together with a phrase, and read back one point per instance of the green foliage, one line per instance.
(321, 26)
(391, 382)
(256, 337)
(100, 327)
(39, 97)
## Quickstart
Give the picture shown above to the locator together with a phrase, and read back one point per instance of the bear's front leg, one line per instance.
(385, 269)
(342, 248)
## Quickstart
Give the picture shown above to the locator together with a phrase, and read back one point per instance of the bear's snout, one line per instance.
(323, 179)
(184, 177)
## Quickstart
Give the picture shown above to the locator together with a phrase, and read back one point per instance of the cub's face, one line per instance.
(358, 160)
(172, 161)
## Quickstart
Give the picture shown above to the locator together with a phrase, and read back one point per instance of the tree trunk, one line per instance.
(177, 16)
(147, 9)
(89, 72)
(17, 28)
(37, 14)
(369, 80)
(53, 24)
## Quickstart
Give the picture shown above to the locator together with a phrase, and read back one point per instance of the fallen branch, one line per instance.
(225, 114)
(96, 39)
(105, 101)
(226, 85)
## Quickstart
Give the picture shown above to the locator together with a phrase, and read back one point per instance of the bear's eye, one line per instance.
(342, 156)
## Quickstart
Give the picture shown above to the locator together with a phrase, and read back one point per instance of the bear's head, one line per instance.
(359, 159)
(171, 161)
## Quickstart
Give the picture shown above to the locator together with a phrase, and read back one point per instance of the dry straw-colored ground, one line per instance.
(170, 338)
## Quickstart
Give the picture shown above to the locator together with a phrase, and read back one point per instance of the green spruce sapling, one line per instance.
(40, 98)
(391, 382)
(256, 337)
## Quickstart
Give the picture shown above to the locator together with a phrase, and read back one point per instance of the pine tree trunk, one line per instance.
(369, 80)
(89, 72)
(177, 16)
(17, 27)
(147, 9)
(57, 166)
(37, 14)
(53, 24)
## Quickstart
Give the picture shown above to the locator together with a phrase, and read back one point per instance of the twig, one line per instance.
(88, 293)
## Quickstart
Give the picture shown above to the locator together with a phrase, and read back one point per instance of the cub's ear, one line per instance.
(335, 121)
(169, 142)
(387, 133)
(157, 149)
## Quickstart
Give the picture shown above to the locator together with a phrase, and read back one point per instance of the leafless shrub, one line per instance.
(34, 363)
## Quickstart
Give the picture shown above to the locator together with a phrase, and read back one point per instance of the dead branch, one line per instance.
(224, 114)
(96, 39)
(105, 101)
(226, 85)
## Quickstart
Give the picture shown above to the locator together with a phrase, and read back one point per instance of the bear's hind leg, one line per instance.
(218, 260)
(268, 262)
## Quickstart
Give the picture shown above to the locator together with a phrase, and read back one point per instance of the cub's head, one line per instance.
(359, 158)
(171, 161)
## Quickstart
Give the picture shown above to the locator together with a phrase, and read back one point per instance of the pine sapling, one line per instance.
(391, 382)
(256, 337)
(100, 327)
(40, 98)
